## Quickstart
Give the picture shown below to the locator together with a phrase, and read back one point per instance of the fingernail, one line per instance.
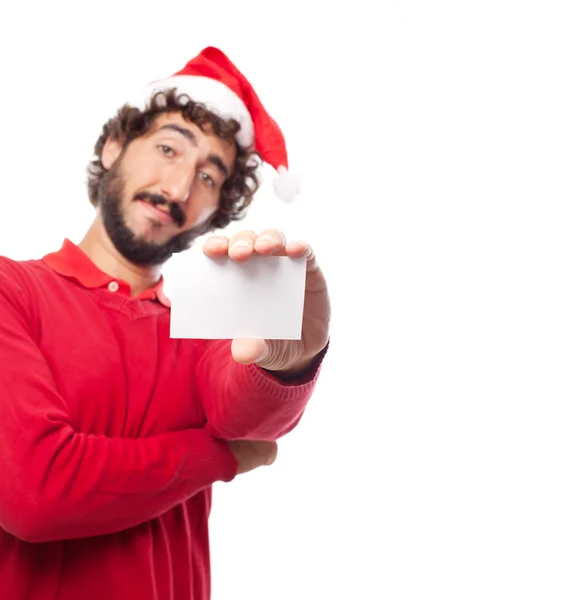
(241, 245)
(266, 239)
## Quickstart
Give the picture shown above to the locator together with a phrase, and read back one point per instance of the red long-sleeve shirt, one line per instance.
(109, 435)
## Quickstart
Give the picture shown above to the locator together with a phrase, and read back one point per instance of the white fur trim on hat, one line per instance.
(215, 95)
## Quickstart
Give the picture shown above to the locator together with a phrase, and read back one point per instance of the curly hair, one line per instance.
(130, 123)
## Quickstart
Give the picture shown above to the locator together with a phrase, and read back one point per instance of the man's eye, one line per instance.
(167, 150)
(207, 179)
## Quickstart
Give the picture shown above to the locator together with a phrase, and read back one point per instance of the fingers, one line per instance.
(251, 455)
(266, 452)
(216, 246)
(243, 245)
(270, 242)
(300, 249)
(271, 453)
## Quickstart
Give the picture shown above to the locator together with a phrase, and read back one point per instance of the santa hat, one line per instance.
(212, 79)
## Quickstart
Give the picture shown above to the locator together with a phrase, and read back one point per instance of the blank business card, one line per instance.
(222, 299)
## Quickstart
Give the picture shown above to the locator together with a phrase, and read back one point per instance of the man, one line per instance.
(111, 433)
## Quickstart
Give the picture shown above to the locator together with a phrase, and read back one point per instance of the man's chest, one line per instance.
(121, 374)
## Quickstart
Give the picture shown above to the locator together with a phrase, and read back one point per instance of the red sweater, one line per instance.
(109, 436)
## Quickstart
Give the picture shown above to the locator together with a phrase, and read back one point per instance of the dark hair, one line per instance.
(131, 123)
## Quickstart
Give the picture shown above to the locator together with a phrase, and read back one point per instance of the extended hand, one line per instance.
(286, 356)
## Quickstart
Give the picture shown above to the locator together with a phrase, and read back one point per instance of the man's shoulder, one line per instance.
(11, 268)
(21, 275)
(20, 268)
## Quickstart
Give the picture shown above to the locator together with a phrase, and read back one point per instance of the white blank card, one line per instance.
(222, 299)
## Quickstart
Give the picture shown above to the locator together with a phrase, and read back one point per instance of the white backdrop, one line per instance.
(438, 144)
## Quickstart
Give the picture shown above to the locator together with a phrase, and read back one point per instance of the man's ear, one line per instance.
(111, 151)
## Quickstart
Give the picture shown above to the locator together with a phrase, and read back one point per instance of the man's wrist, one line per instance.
(303, 369)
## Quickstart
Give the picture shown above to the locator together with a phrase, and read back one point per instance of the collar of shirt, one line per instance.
(71, 261)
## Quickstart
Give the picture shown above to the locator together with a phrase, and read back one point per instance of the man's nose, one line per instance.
(177, 183)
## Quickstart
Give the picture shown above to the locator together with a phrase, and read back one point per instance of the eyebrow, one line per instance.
(220, 164)
(185, 132)
(189, 135)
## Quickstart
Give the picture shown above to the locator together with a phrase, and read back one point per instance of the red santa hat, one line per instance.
(212, 79)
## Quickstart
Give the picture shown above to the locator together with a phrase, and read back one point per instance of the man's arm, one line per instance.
(248, 402)
(57, 483)
(258, 389)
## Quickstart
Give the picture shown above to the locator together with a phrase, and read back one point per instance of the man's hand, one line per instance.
(287, 357)
(251, 455)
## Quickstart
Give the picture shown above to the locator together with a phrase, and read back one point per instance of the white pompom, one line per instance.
(286, 185)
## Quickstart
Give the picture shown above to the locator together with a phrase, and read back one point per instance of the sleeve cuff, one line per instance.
(210, 459)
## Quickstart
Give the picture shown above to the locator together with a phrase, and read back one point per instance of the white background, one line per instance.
(439, 148)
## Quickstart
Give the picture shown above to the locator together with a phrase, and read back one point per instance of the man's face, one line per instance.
(162, 188)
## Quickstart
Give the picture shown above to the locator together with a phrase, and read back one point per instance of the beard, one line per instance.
(135, 249)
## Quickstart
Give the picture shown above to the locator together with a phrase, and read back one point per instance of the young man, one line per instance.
(111, 433)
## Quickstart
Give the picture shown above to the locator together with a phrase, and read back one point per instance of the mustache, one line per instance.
(175, 210)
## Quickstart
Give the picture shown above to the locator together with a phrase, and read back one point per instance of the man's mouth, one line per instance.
(156, 208)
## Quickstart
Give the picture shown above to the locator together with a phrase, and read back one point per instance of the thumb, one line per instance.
(250, 350)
